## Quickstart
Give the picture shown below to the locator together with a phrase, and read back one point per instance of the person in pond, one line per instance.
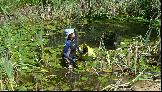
(70, 48)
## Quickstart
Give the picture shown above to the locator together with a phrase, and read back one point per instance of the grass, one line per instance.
(32, 58)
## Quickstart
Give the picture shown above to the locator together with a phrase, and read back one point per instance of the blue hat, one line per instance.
(69, 31)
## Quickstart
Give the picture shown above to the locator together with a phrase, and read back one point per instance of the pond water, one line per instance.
(91, 35)
(56, 77)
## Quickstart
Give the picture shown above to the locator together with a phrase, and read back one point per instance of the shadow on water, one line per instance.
(113, 33)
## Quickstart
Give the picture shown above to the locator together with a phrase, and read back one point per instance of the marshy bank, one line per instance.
(32, 37)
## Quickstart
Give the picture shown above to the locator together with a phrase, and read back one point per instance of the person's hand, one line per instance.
(81, 53)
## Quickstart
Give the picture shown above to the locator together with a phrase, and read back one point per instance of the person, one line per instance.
(70, 48)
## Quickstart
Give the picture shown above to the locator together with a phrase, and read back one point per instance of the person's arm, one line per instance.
(68, 57)
(79, 50)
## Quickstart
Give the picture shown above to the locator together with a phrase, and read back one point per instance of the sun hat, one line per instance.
(69, 31)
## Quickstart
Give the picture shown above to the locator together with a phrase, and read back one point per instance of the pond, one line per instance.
(91, 35)
(40, 64)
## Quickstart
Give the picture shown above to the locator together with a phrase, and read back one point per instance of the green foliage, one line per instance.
(76, 10)
(31, 45)
(31, 55)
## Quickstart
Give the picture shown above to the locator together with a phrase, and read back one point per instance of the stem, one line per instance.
(108, 59)
(128, 62)
(36, 85)
(42, 52)
(136, 57)
(1, 84)
(148, 35)
(11, 86)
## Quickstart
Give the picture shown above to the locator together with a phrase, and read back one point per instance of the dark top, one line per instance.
(70, 48)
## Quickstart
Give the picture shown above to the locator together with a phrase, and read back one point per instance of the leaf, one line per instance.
(65, 87)
(44, 70)
(22, 88)
(51, 27)
(8, 67)
(100, 78)
(84, 78)
(107, 70)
